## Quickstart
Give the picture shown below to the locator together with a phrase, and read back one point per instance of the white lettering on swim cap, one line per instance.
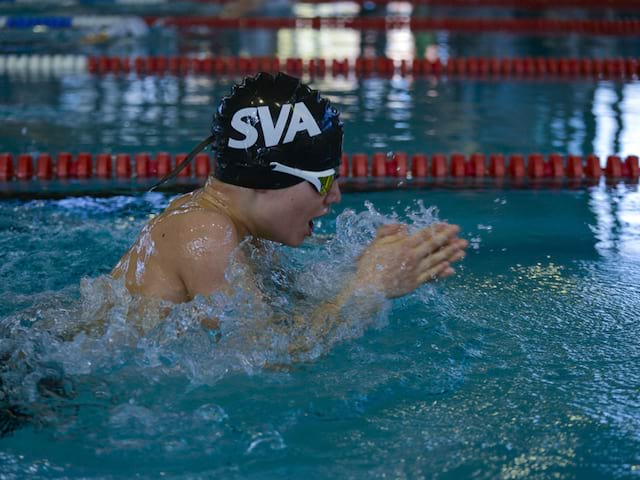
(272, 135)
(301, 119)
(244, 127)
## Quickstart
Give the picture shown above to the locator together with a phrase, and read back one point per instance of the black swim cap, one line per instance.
(274, 119)
(270, 119)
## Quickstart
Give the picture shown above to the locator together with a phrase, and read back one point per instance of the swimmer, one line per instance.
(278, 147)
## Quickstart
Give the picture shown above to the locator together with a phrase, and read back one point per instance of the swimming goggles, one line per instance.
(322, 181)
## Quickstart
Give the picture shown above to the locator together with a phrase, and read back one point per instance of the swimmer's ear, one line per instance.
(391, 229)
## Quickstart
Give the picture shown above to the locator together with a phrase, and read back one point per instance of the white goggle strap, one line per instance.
(308, 175)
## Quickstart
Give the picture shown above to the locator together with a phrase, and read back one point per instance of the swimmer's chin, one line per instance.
(300, 238)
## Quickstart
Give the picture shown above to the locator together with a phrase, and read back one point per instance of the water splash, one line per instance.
(50, 349)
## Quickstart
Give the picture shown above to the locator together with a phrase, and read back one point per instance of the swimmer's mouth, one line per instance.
(311, 221)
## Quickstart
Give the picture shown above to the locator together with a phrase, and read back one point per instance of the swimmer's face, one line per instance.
(287, 214)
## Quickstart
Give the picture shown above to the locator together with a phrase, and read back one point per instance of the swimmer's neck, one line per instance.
(230, 201)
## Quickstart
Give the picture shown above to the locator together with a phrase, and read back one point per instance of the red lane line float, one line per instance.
(419, 167)
(556, 168)
(574, 166)
(516, 166)
(123, 166)
(25, 167)
(344, 166)
(103, 165)
(163, 162)
(84, 166)
(496, 165)
(457, 165)
(360, 165)
(6, 166)
(476, 166)
(593, 169)
(614, 167)
(438, 165)
(203, 165)
(379, 165)
(63, 164)
(186, 171)
(398, 166)
(143, 165)
(631, 162)
(44, 167)
(536, 166)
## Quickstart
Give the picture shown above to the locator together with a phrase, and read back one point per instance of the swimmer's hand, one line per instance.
(397, 263)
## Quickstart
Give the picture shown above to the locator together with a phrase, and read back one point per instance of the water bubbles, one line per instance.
(264, 441)
(210, 412)
(474, 242)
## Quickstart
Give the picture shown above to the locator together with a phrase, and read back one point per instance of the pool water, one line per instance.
(523, 364)
(133, 114)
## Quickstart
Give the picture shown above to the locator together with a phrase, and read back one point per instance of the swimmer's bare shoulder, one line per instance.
(180, 253)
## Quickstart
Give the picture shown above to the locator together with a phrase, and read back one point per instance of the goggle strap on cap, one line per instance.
(178, 168)
(314, 178)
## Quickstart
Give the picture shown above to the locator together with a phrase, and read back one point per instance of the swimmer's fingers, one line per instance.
(388, 232)
(441, 270)
(391, 229)
(426, 242)
(461, 244)
(450, 253)
(447, 272)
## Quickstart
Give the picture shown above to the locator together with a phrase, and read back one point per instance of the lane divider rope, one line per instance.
(520, 4)
(516, 68)
(521, 25)
(518, 25)
(359, 165)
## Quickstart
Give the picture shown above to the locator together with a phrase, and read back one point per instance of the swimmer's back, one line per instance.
(180, 253)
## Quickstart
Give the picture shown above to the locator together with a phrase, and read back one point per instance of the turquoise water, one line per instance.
(524, 364)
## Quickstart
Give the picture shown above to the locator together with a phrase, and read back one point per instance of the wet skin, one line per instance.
(184, 251)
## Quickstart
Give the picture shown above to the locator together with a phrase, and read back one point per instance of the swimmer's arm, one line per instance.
(362, 303)
(396, 263)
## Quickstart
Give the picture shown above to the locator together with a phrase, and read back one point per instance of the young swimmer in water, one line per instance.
(278, 149)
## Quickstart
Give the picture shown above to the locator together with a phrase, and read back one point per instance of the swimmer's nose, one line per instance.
(334, 195)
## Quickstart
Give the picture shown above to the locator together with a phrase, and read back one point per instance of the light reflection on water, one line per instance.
(168, 113)
(617, 215)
